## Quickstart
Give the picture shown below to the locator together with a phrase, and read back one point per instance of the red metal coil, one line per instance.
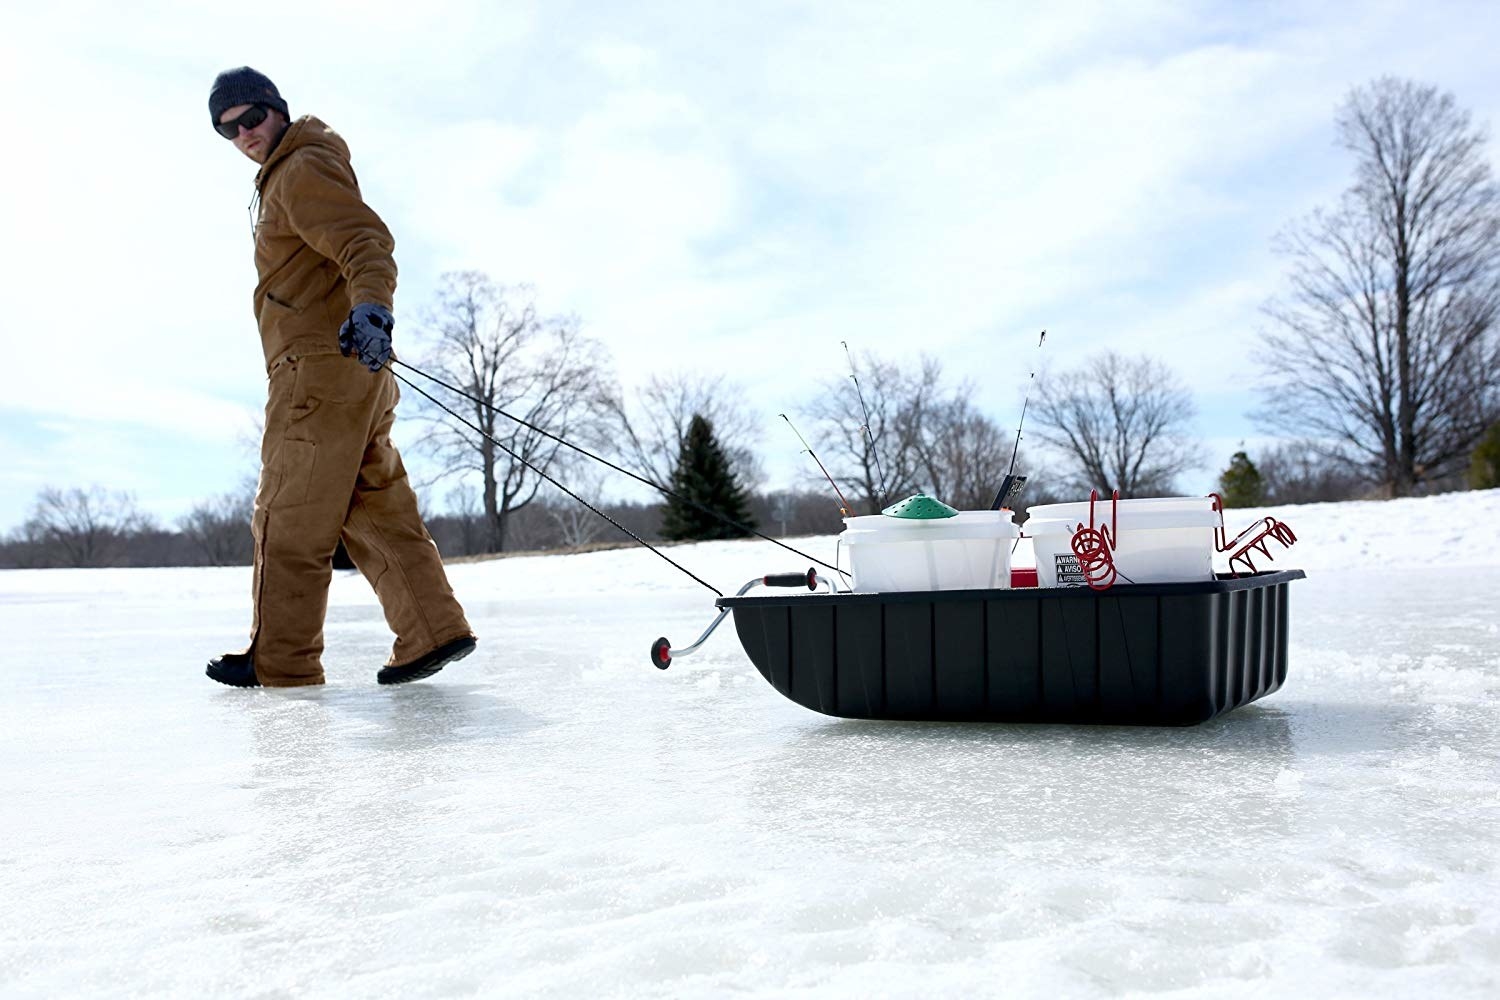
(1094, 546)
(1253, 539)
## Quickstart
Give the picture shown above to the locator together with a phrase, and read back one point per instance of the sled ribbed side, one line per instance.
(1163, 654)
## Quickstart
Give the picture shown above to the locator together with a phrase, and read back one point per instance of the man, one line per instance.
(329, 470)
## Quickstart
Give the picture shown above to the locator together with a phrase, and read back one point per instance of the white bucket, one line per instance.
(1160, 539)
(968, 552)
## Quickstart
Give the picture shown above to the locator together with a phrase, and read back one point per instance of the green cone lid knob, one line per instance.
(920, 507)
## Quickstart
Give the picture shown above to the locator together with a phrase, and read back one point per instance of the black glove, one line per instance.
(367, 332)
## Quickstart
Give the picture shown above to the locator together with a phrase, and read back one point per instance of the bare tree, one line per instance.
(796, 512)
(651, 431)
(219, 527)
(491, 343)
(1118, 422)
(1386, 346)
(925, 434)
(1299, 472)
(467, 513)
(575, 524)
(886, 463)
(529, 529)
(26, 548)
(85, 527)
(963, 453)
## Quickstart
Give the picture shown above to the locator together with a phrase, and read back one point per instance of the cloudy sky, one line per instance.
(709, 187)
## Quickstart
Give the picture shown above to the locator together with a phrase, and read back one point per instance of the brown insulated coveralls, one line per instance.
(328, 467)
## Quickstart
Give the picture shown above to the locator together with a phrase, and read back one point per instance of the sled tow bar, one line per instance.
(662, 651)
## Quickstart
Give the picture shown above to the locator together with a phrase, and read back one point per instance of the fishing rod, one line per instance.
(665, 491)
(844, 507)
(853, 374)
(1011, 485)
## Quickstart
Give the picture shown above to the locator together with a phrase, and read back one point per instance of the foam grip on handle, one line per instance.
(808, 580)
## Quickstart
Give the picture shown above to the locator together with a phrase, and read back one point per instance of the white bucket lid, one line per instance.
(1143, 513)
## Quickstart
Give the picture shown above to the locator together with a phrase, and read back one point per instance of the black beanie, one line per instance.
(244, 85)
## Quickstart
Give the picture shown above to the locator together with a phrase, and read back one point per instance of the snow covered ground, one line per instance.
(553, 817)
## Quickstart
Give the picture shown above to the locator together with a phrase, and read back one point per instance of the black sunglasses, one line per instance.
(250, 119)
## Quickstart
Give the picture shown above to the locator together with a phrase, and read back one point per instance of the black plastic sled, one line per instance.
(1153, 654)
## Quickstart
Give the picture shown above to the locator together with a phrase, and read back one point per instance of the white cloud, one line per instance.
(625, 62)
(732, 188)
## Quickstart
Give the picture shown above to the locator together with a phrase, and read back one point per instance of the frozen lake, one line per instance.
(553, 817)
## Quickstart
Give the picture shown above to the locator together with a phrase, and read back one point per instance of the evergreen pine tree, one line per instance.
(1484, 465)
(1241, 485)
(703, 476)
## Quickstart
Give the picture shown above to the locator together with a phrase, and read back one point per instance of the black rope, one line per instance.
(604, 461)
(554, 482)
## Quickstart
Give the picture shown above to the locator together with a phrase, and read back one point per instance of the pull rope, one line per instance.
(606, 462)
(549, 479)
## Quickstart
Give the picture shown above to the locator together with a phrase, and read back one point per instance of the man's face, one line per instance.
(255, 142)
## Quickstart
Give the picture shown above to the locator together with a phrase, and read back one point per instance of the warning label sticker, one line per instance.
(1069, 573)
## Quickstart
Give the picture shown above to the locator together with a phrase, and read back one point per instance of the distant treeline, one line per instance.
(94, 527)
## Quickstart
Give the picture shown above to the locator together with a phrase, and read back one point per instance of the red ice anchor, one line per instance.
(1094, 547)
(1252, 539)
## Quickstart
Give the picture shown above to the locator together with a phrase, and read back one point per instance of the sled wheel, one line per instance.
(661, 653)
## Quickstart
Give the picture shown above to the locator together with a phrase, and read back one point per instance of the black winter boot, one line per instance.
(234, 669)
(430, 664)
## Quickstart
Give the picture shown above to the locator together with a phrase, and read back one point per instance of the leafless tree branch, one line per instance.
(1385, 343)
(490, 342)
(1122, 423)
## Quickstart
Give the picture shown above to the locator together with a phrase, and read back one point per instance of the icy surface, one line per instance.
(552, 817)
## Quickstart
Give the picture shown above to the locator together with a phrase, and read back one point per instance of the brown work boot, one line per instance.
(429, 664)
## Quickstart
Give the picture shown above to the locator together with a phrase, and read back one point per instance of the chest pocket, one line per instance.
(271, 228)
(277, 302)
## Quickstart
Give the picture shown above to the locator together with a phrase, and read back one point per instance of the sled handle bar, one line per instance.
(662, 651)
